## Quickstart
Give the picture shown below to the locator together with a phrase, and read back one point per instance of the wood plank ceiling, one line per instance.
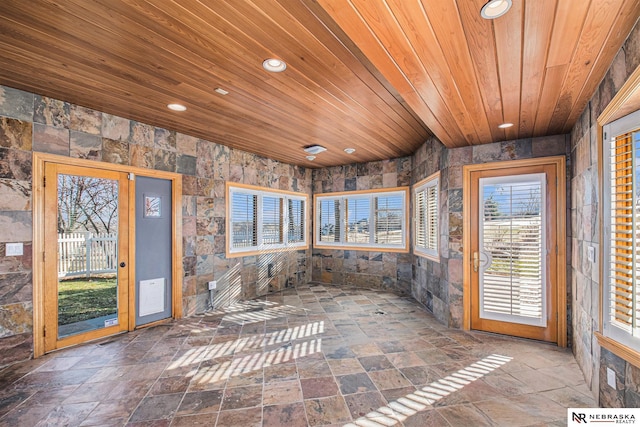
(379, 76)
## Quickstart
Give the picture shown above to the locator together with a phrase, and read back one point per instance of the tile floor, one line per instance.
(311, 356)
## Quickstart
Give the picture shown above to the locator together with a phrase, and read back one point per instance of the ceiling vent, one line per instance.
(314, 149)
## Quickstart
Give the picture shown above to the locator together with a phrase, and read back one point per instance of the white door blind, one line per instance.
(244, 220)
(624, 270)
(296, 221)
(512, 280)
(388, 217)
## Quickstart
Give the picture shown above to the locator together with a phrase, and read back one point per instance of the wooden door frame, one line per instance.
(52, 340)
(38, 246)
(561, 231)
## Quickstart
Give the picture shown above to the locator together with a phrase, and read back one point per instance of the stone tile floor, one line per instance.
(311, 356)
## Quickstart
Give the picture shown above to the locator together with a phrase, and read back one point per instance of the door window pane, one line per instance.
(512, 283)
(87, 220)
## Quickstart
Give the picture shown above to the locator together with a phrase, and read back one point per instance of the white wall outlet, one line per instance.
(591, 254)
(212, 285)
(611, 378)
(14, 249)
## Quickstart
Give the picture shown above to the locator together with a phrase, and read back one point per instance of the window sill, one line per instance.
(239, 254)
(361, 248)
(434, 258)
(620, 350)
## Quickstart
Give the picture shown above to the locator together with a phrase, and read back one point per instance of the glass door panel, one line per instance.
(512, 279)
(87, 253)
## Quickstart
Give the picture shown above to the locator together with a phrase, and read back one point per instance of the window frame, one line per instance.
(371, 195)
(419, 187)
(614, 334)
(261, 246)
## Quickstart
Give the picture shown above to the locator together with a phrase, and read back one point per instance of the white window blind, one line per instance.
(329, 220)
(622, 231)
(244, 220)
(272, 220)
(262, 219)
(388, 219)
(358, 211)
(367, 220)
(296, 221)
(426, 217)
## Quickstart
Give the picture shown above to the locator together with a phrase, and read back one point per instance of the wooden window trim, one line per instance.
(363, 247)
(417, 186)
(269, 248)
(626, 101)
(620, 350)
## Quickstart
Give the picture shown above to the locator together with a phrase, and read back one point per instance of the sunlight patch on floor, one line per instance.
(420, 400)
(239, 365)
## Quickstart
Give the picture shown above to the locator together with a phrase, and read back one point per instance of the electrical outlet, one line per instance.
(611, 378)
(591, 254)
(14, 249)
(212, 285)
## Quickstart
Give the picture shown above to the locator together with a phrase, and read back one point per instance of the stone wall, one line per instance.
(367, 269)
(430, 279)
(438, 285)
(30, 122)
(586, 226)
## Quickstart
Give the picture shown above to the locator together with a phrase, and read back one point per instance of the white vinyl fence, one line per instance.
(85, 254)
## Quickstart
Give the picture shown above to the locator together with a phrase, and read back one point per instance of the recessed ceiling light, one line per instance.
(495, 8)
(274, 65)
(314, 149)
(310, 158)
(221, 91)
(176, 107)
(505, 125)
(349, 150)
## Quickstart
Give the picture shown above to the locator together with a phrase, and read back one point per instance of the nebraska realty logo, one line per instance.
(602, 416)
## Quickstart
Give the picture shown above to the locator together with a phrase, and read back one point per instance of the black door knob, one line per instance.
(123, 264)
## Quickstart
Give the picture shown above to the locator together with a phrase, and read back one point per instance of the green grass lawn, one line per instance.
(83, 299)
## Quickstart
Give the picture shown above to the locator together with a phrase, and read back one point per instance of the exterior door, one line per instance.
(154, 246)
(86, 257)
(514, 251)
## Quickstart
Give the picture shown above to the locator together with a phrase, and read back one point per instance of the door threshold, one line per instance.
(156, 323)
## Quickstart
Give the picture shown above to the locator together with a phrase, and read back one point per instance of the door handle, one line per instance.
(476, 262)
(123, 264)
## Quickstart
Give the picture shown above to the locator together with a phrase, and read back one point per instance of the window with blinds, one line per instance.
(296, 221)
(426, 216)
(272, 216)
(244, 220)
(388, 220)
(622, 231)
(264, 219)
(358, 211)
(328, 221)
(362, 220)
